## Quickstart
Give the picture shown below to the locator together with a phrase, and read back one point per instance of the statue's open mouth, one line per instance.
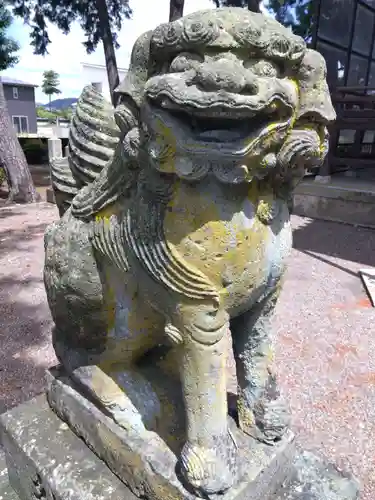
(232, 128)
(218, 127)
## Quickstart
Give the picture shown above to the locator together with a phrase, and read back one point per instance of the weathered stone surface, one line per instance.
(175, 229)
(47, 461)
(6, 491)
(314, 479)
(147, 464)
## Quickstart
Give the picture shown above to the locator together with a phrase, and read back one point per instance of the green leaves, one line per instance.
(8, 46)
(63, 13)
(297, 14)
(50, 85)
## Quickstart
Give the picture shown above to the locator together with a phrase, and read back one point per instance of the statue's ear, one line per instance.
(315, 100)
(131, 89)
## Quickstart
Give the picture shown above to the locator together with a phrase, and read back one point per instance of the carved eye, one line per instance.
(265, 68)
(184, 62)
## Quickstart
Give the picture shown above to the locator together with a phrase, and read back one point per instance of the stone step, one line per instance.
(46, 460)
(315, 479)
(6, 491)
(264, 468)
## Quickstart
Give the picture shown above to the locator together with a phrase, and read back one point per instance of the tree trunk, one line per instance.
(12, 159)
(253, 5)
(109, 49)
(176, 9)
(50, 110)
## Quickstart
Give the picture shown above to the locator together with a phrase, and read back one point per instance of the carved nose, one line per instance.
(223, 76)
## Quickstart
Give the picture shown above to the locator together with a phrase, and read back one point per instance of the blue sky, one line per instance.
(66, 52)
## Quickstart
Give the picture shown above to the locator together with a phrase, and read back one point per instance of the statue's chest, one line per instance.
(215, 229)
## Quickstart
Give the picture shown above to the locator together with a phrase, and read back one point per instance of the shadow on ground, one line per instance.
(335, 240)
(25, 322)
(16, 239)
(25, 341)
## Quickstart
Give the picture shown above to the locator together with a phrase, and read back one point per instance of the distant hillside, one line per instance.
(64, 103)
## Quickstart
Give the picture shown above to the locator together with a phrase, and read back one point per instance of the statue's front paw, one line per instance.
(210, 470)
(267, 421)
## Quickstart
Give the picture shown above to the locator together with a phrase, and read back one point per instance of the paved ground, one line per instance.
(326, 350)
(24, 317)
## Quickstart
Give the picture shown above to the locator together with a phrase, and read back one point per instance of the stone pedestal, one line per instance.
(6, 491)
(46, 460)
(148, 465)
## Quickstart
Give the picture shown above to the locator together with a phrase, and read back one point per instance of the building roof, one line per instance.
(13, 81)
(101, 66)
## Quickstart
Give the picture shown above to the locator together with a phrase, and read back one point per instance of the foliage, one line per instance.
(50, 85)
(8, 46)
(252, 5)
(3, 176)
(296, 14)
(66, 113)
(99, 20)
(42, 112)
(36, 151)
(63, 13)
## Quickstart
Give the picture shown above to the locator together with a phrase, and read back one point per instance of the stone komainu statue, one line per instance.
(175, 224)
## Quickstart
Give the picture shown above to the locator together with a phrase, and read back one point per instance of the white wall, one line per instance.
(98, 74)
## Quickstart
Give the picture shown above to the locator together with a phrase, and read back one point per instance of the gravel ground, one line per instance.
(325, 350)
(326, 345)
(25, 321)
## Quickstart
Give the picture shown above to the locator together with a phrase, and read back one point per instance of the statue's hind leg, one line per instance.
(261, 411)
(91, 370)
(83, 366)
(82, 308)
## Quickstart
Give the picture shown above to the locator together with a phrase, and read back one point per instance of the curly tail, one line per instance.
(93, 138)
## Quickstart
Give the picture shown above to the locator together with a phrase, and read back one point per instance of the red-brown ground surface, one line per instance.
(325, 348)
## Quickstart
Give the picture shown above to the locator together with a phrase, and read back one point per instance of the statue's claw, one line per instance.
(212, 470)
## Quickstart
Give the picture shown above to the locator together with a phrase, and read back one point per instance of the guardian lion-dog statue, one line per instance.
(175, 222)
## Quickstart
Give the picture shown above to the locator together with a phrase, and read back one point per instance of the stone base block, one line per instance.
(314, 479)
(148, 465)
(46, 460)
(6, 491)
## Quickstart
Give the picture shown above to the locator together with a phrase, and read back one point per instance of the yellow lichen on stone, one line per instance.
(106, 212)
(197, 232)
(245, 415)
(264, 210)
